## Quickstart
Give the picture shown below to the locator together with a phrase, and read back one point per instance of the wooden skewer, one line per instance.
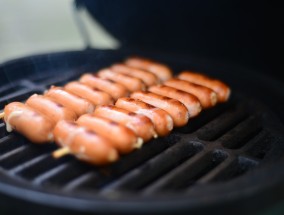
(2, 115)
(61, 152)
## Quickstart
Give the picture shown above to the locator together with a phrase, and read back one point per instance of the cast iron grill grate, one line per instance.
(223, 145)
(220, 144)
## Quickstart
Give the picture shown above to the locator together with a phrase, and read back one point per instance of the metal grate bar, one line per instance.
(188, 172)
(156, 167)
(223, 123)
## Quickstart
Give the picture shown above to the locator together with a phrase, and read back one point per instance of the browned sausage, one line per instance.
(121, 137)
(84, 144)
(116, 90)
(78, 105)
(206, 96)
(33, 125)
(96, 97)
(222, 90)
(50, 109)
(162, 71)
(190, 101)
(141, 125)
(163, 122)
(131, 83)
(175, 108)
(147, 77)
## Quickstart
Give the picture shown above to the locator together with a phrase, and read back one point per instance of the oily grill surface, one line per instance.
(222, 146)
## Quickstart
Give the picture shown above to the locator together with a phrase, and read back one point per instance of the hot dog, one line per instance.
(78, 105)
(175, 108)
(190, 101)
(163, 122)
(111, 130)
(141, 125)
(94, 96)
(84, 144)
(222, 90)
(162, 71)
(33, 125)
(116, 90)
(206, 96)
(52, 110)
(132, 84)
(147, 77)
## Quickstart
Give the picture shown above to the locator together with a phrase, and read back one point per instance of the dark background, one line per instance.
(247, 33)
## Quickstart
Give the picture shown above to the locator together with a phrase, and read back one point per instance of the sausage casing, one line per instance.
(116, 90)
(223, 91)
(147, 77)
(206, 96)
(94, 96)
(33, 125)
(175, 108)
(163, 122)
(52, 110)
(131, 83)
(190, 101)
(78, 105)
(141, 125)
(111, 130)
(162, 71)
(84, 144)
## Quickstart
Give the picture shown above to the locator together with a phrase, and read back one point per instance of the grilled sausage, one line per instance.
(78, 105)
(50, 109)
(141, 125)
(222, 90)
(121, 137)
(116, 90)
(84, 144)
(132, 84)
(147, 77)
(190, 101)
(96, 97)
(33, 125)
(206, 96)
(163, 122)
(175, 108)
(162, 71)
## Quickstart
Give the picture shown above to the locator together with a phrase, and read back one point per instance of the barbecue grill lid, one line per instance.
(245, 33)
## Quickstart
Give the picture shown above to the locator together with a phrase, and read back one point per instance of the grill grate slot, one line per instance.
(9, 143)
(214, 129)
(43, 164)
(242, 133)
(156, 167)
(234, 168)
(188, 172)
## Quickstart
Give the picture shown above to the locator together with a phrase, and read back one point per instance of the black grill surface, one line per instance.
(216, 159)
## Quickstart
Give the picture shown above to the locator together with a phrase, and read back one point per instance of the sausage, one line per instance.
(147, 77)
(116, 90)
(121, 137)
(190, 101)
(94, 96)
(78, 105)
(132, 84)
(222, 90)
(173, 107)
(86, 145)
(50, 109)
(141, 125)
(163, 122)
(162, 71)
(28, 122)
(206, 96)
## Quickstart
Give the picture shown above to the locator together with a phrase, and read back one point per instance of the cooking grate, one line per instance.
(219, 145)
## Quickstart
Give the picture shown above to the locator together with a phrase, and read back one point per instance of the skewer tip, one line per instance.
(61, 152)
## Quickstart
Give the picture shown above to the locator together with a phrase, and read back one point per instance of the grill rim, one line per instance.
(179, 203)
